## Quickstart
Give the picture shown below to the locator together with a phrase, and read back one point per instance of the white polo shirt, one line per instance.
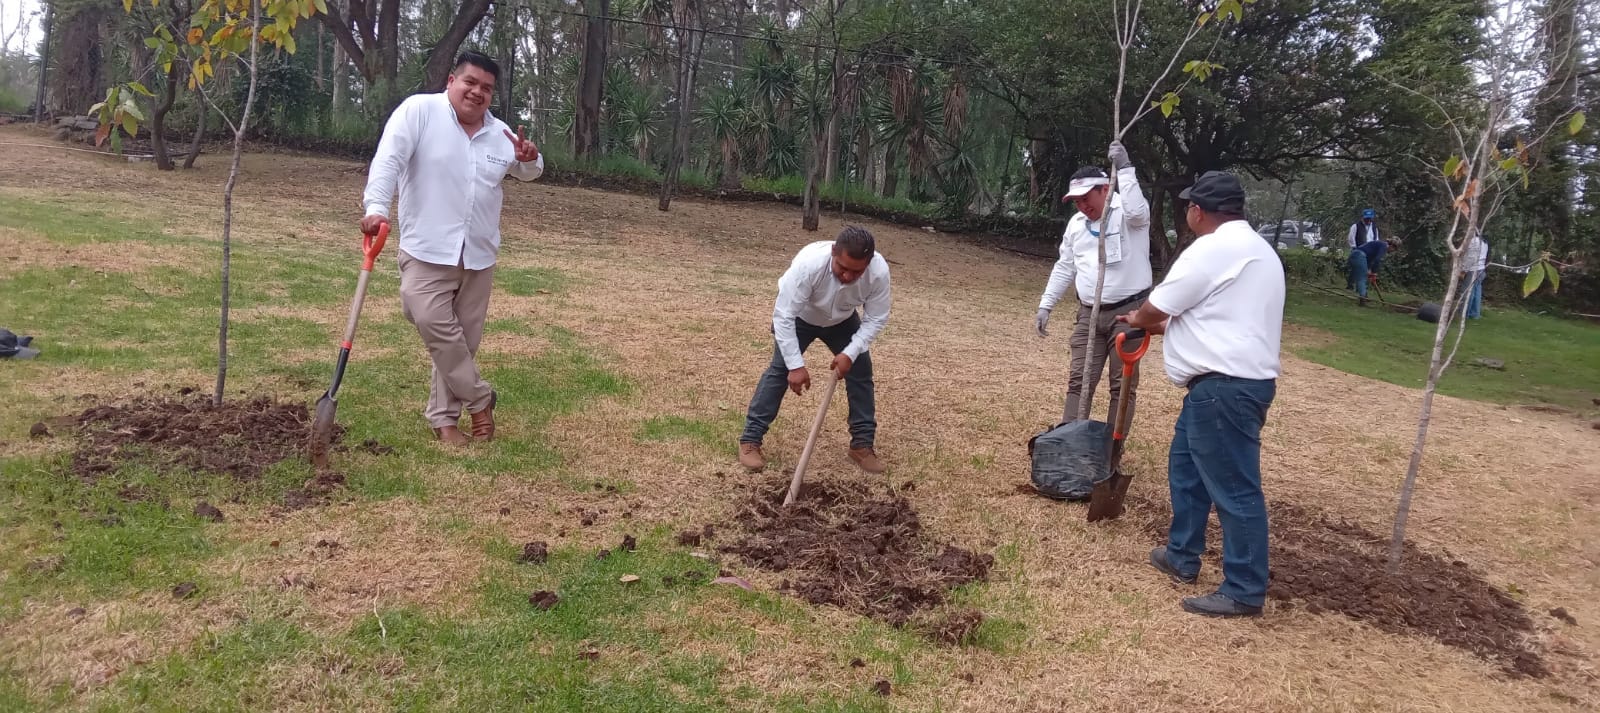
(1225, 295)
(449, 182)
(810, 291)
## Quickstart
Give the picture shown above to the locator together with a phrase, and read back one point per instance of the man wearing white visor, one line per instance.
(1128, 277)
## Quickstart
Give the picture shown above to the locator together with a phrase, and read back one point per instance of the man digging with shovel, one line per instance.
(817, 299)
(449, 154)
(1127, 281)
(1221, 307)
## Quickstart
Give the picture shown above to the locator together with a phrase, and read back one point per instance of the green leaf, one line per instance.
(1510, 164)
(1554, 276)
(130, 125)
(1189, 66)
(1451, 166)
(152, 42)
(132, 109)
(1575, 124)
(140, 88)
(1533, 280)
(1230, 9)
(288, 42)
(322, 7)
(1203, 19)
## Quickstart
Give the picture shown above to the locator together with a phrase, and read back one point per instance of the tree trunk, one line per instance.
(811, 209)
(341, 76)
(730, 164)
(441, 59)
(199, 134)
(44, 63)
(691, 42)
(863, 155)
(591, 82)
(158, 118)
(321, 67)
(227, 200)
(389, 39)
(891, 177)
(830, 167)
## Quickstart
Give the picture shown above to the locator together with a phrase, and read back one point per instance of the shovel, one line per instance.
(811, 440)
(322, 427)
(1105, 502)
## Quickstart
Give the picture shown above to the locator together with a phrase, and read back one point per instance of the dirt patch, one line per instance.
(842, 545)
(240, 438)
(1334, 565)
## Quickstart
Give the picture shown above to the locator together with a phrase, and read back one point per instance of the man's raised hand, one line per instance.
(526, 150)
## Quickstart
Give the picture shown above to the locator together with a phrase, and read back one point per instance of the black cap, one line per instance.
(1216, 192)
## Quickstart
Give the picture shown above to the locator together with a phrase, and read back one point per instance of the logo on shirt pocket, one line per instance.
(498, 160)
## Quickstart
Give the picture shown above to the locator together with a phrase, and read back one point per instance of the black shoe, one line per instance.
(1218, 605)
(1158, 559)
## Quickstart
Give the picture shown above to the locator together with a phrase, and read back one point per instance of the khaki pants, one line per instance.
(448, 306)
(1105, 332)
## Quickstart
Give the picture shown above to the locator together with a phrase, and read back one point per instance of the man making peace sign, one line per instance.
(448, 154)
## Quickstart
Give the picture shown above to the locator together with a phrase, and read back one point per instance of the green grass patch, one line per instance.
(712, 433)
(525, 282)
(1547, 360)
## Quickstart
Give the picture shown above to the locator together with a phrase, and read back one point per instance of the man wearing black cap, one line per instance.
(1221, 308)
(1127, 271)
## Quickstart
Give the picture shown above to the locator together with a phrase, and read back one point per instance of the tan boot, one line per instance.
(866, 459)
(483, 421)
(450, 436)
(750, 456)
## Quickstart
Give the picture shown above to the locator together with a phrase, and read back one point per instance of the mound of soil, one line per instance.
(845, 547)
(1333, 565)
(238, 438)
(1338, 566)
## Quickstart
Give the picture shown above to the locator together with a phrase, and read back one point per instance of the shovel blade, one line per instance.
(322, 431)
(1105, 502)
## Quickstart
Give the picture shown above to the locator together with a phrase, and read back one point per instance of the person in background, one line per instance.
(1363, 265)
(1364, 230)
(1221, 308)
(1477, 263)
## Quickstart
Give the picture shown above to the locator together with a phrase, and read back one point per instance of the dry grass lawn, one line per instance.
(678, 303)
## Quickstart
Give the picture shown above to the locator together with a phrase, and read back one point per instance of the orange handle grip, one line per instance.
(1130, 358)
(372, 246)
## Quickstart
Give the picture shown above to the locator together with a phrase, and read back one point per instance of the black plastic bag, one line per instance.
(1070, 458)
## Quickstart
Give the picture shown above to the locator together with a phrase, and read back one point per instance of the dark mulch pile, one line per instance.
(846, 547)
(1334, 565)
(240, 438)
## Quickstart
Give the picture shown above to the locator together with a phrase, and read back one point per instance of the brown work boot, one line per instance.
(483, 421)
(450, 436)
(866, 459)
(750, 456)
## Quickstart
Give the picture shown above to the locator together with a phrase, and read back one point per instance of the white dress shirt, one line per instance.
(1225, 295)
(810, 291)
(1127, 250)
(449, 182)
(1477, 257)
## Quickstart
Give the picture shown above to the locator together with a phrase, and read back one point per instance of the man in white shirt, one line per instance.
(448, 154)
(817, 299)
(1128, 276)
(1221, 307)
(1477, 263)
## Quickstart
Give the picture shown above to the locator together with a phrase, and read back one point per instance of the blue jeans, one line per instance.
(1475, 299)
(857, 385)
(1356, 277)
(1216, 460)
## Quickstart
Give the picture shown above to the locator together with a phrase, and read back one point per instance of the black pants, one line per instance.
(857, 384)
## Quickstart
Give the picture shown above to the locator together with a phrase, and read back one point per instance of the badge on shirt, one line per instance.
(1113, 245)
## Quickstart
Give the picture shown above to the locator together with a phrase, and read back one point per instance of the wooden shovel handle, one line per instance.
(811, 440)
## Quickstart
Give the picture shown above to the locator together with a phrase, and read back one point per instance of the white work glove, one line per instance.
(1119, 156)
(1042, 320)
